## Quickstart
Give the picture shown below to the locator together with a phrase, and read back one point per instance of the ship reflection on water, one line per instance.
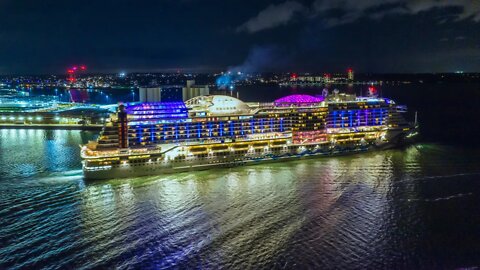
(335, 212)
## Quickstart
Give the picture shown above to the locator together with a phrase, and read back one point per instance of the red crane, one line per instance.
(72, 72)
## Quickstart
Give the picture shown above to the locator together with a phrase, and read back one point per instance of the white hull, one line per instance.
(197, 164)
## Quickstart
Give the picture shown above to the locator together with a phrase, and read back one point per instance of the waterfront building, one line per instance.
(350, 74)
(150, 94)
(192, 90)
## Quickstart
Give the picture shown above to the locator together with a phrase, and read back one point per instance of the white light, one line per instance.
(21, 118)
(4, 118)
(38, 118)
(12, 118)
(56, 118)
(30, 118)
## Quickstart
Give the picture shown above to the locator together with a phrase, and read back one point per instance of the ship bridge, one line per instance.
(215, 105)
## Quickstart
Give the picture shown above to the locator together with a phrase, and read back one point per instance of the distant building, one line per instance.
(192, 90)
(350, 74)
(150, 94)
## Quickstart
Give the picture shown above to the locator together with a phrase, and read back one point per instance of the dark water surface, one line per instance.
(411, 208)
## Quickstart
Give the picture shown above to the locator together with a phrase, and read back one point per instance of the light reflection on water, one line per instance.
(373, 210)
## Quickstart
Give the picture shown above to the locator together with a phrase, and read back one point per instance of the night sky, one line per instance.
(44, 36)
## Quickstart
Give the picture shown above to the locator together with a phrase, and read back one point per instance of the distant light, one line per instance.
(30, 118)
(38, 118)
(122, 74)
(56, 118)
(231, 87)
(4, 118)
(21, 118)
(12, 118)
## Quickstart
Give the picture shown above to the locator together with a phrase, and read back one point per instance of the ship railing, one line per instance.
(401, 108)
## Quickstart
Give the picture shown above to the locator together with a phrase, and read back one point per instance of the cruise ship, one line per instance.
(222, 131)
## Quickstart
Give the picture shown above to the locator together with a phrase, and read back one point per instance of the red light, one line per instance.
(350, 70)
(70, 71)
(83, 67)
(294, 75)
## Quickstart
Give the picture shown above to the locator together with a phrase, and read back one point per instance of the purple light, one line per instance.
(156, 113)
(155, 106)
(298, 99)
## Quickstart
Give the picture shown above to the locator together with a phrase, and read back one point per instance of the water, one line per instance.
(412, 208)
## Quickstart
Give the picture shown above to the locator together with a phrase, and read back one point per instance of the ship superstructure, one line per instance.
(211, 131)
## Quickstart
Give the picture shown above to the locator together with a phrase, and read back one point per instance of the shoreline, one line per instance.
(51, 126)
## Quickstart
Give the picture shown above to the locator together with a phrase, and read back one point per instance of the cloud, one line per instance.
(338, 12)
(377, 9)
(272, 16)
(262, 58)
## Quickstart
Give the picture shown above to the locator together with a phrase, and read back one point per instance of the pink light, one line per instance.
(298, 99)
(83, 67)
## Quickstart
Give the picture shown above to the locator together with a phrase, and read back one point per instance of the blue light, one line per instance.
(231, 129)
(343, 120)
(139, 134)
(199, 130)
(334, 119)
(351, 118)
(358, 117)
(221, 128)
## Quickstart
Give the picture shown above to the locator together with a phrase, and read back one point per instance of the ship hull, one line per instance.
(223, 161)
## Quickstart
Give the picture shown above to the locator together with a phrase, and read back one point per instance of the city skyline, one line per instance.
(394, 36)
